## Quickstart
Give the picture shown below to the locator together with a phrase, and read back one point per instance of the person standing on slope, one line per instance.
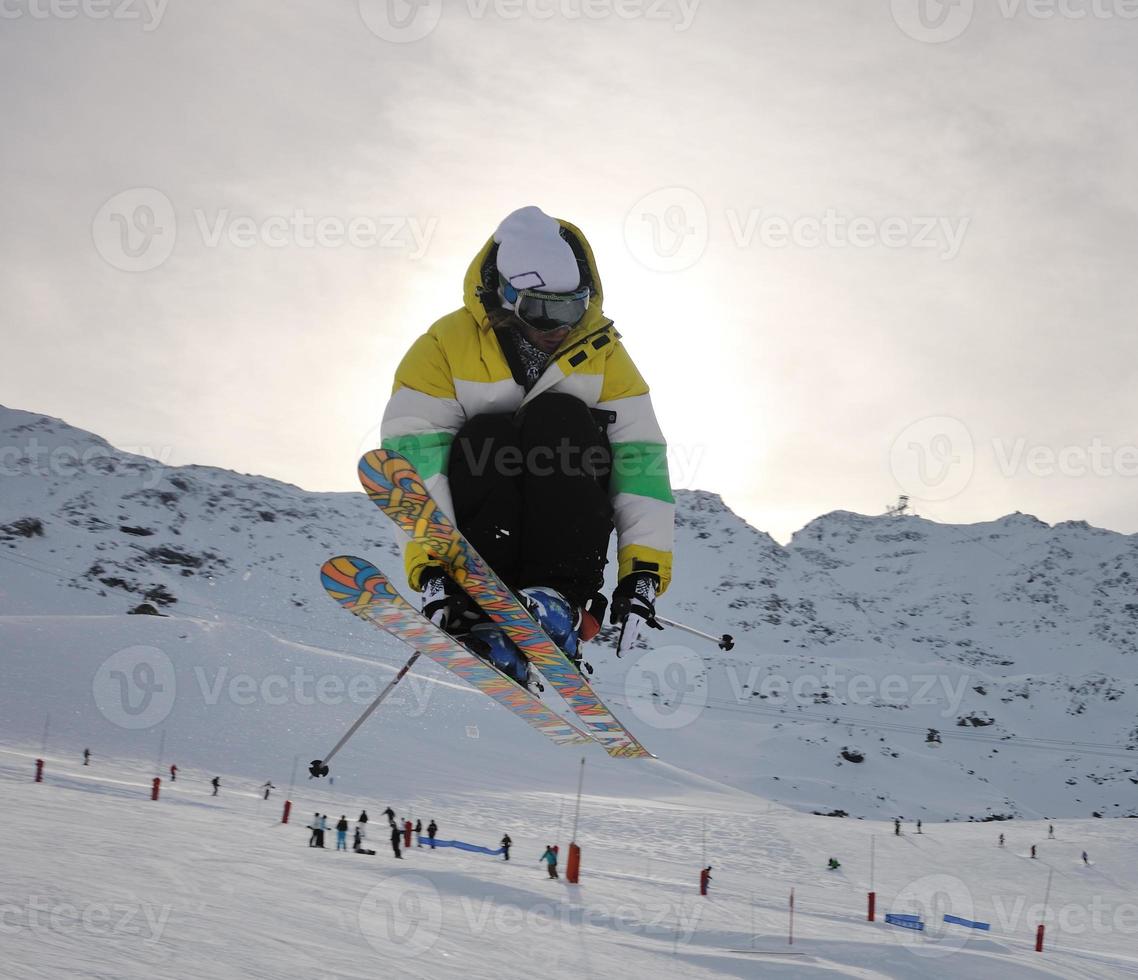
(506, 842)
(396, 834)
(432, 829)
(550, 859)
(342, 833)
(531, 426)
(418, 833)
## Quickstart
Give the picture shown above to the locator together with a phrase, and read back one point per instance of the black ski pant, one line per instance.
(530, 492)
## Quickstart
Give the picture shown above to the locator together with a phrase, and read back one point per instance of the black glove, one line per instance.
(444, 603)
(634, 607)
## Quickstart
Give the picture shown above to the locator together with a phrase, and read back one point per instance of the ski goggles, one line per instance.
(547, 311)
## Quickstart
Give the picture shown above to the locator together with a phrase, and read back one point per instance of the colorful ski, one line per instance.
(394, 486)
(365, 591)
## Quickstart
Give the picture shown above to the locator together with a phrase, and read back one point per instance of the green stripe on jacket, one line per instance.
(428, 452)
(641, 468)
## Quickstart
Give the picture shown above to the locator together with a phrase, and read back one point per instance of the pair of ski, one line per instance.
(393, 485)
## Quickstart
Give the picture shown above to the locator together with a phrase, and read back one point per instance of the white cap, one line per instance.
(533, 255)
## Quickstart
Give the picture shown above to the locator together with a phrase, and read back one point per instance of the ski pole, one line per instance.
(724, 642)
(319, 767)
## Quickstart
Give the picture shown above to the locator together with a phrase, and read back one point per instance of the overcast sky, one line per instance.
(857, 248)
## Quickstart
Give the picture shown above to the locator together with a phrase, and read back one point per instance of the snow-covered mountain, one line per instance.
(1004, 653)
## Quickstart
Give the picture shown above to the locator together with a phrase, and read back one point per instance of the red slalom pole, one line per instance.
(573, 866)
(1039, 938)
(39, 770)
(154, 788)
(287, 811)
(872, 906)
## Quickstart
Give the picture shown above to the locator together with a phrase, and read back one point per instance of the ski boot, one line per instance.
(490, 642)
(560, 620)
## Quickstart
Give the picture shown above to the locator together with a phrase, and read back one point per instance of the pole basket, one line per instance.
(39, 770)
(287, 811)
(573, 866)
(154, 788)
(1039, 938)
(872, 909)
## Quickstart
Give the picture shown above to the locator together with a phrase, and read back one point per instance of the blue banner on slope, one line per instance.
(956, 920)
(461, 845)
(905, 921)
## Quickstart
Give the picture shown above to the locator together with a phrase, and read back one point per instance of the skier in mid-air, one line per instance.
(531, 426)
